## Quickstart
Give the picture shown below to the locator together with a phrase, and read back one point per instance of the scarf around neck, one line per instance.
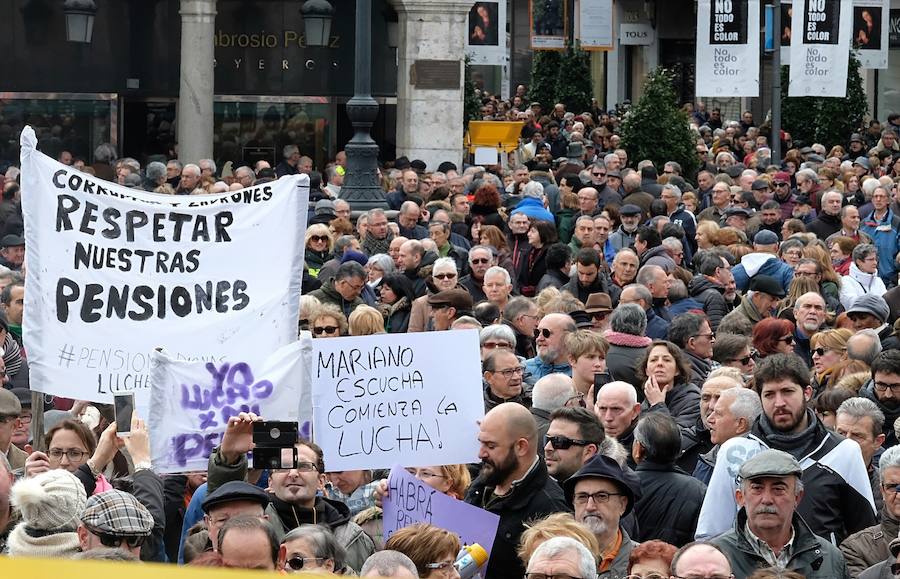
(628, 340)
(796, 444)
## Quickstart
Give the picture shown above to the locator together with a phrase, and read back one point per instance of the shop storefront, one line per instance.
(122, 87)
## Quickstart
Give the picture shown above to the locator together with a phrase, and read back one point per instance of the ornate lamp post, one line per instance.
(79, 20)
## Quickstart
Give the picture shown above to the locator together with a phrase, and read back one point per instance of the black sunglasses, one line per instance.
(820, 351)
(324, 330)
(542, 332)
(115, 542)
(564, 442)
(744, 361)
(318, 238)
(787, 340)
(297, 563)
(600, 316)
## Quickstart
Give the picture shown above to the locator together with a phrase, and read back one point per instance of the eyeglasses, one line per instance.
(648, 576)
(805, 274)
(72, 454)
(891, 487)
(600, 316)
(318, 238)
(744, 361)
(599, 497)
(538, 332)
(318, 331)
(443, 275)
(297, 563)
(599, 174)
(789, 340)
(704, 576)
(495, 345)
(710, 335)
(442, 567)
(479, 261)
(306, 467)
(25, 418)
(821, 352)
(510, 372)
(577, 400)
(545, 576)
(882, 387)
(781, 183)
(564, 442)
(423, 474)
(115, 542)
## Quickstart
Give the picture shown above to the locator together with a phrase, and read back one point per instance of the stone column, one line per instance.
(195, 94)
(430, 122)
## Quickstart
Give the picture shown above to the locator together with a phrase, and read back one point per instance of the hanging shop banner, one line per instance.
(728, 48)
(549, 24)
(113, 273)
(595, 24)
(871, 27)
(820, 48)
(486, 40)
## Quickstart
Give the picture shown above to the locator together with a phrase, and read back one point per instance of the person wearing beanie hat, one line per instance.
(869, 312)
(50, 504)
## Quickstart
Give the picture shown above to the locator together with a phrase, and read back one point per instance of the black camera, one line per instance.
(275, 445)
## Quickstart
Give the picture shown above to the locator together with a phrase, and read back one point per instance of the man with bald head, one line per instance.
(809, 311)
(618, 410)
(513, 482)
(552, 356)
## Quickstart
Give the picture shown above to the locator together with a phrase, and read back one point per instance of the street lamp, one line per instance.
(361, 188)
(79, 20)
(317, 21)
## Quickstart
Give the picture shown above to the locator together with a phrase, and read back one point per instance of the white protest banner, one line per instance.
(728, 48)
(413, 398)
(191, 402)
(595, 24)
(870, 32)
(820, 48)
(114, 273)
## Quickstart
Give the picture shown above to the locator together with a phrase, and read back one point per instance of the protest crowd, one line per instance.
(686, 376)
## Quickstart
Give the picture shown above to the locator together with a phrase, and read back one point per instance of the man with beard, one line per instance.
(809, 311)
(590, 278)
(378, 234)
(513, 483)
(884, 390)
(838, 499)
(573, 438)
(602, 495)
(552, 356)
(624, 236)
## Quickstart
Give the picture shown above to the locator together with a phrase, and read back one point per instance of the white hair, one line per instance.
(890, 459)
(444, 263)
(620, 386)
(746, 403)
(559, 546)
(496, 269)
(552, 391)
(533, 189)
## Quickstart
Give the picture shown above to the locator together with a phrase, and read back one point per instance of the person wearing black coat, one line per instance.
(527, 493)
(658, 444)
(533, 264)
(709, 293)
(397, 297)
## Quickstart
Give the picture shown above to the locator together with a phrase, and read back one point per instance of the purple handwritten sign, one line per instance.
(411, 501)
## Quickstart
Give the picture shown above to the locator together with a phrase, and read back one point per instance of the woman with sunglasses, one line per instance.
(327, 321)
(666, 375)
(312, 549)
(829, 349)
(773, 336)
(319, 245)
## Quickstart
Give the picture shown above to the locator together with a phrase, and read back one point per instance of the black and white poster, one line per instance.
(728, 48)
(870, 32)
(820, 47)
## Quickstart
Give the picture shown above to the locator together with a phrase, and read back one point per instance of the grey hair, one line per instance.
(289, 150)
(175, 162)
(496, 269)
(646, 275)
(864, 352)
(385, 564)
(862, 251)
(105, 153)
(323, 542)
(559, 546)
(858, 407)
(808, 174)
(676, 191)
(445, 263)
(629, 319)
(673, 244)
(374, 211)
(497, 332)
(465, 321)
(552, 391)
(132, 164)
(191, 167)
(746, 403)
(610, 157)
(517, 306)
(533, 189)
(642, 292)
(342, 243)
(486, 248)
(155, 170)
(383, 262)
(584, 218)
(890, 459)
(210, 162)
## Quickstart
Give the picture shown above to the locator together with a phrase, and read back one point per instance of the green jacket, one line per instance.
(327, 294)
(813, 557)
(356, 542)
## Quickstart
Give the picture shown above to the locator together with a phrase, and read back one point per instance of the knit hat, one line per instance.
(870, 304)
(51, 501)
(353, 255)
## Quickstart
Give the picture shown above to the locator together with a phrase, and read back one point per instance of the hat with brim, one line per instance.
(598, 303)
(768, 285)
(770, 463)
(454, 298)
(629, 210)
(601, 467)
(12, 240)
(739, 211)
(234, 491)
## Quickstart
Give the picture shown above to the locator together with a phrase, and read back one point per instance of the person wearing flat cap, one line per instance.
(232, 499)
(764, 294)
(763, 260)
(12, 251)
(449, 305)
(837, 501)
(768, 531)
(602, 495)
(114, 519)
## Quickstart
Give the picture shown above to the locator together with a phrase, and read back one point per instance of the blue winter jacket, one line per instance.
(762, 264)
(534, 209)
